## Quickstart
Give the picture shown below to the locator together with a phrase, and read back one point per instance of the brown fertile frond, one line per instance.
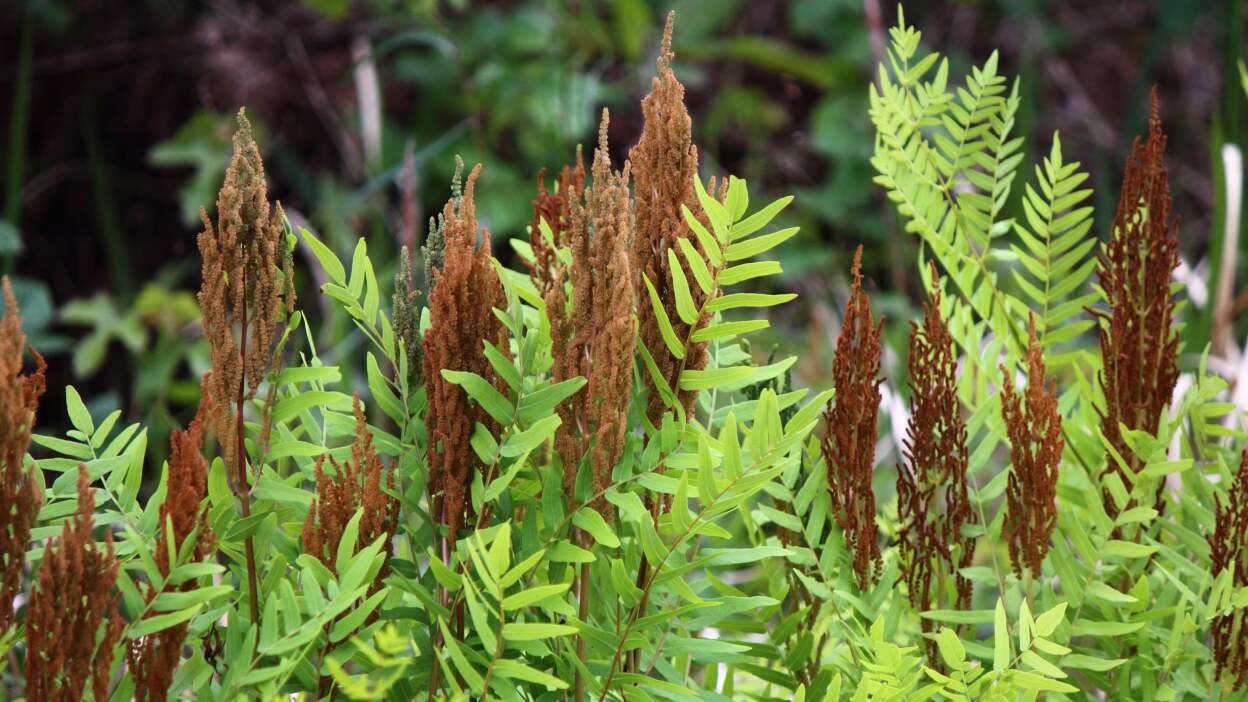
(20, 497)
(1139, 344)
(594, 339)
(154, 658)
(664, 163)
(1229, 548)
(247, 281)
(355, 484)
(936, 456)
(465, 291)
(1034, 428)
(556, 210)
(70, 602)
(850, 429)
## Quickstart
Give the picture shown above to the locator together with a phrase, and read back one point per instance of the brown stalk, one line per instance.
(850, 424)
(19, 487)
(1139, 345)
(247, 283)
(1034, 428)
(70, 602)
(463, 291)
(154, 659)
(664, 163)
(355, 486)
(932, 498)
(1228, 545)
(592, 334)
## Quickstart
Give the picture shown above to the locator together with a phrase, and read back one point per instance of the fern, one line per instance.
(1055, 255)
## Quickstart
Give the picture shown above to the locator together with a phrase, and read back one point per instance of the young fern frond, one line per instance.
(1055, 253)
(948, 162)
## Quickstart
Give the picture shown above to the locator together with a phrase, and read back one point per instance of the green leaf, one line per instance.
(593, 524)
(1104, 592)
(329, 261)
(760, 219)
(749, 248)
(691, 379)
(507, 668)
(697, 266)
(538, 404)
(748, 271)
(78, 414)
(160, 622)
(484, 394)
(529, 439)
(951, 648)
(737, 300)
(670, 339)
(680, 285)
(346, 545)
(1047, 623)
(514, 631)
(1000, 639)
(729, 329)
(534, 595)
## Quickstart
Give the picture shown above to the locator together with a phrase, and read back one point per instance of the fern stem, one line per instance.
(240, 467)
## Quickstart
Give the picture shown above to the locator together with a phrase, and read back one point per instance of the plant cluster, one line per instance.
(582, 485)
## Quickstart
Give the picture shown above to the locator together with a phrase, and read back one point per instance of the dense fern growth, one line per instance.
(575, 481)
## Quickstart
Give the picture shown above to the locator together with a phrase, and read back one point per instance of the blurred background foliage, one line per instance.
(115, 124)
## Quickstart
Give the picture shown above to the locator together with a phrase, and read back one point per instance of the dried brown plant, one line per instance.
(664, 163)
(1034, 428)
(932, 498)
(556, 210)
(850, 429)
(465, 291)
(1139, 344)
(355, 485)
(1228, 545)
(154, 658)
(593, 334)
(20, 497)
(71, 601)
(242, 294)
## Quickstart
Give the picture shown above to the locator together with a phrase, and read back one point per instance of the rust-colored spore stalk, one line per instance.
(664, 163)
(354, 484)
(593, 335)
(247, 281)
(1138, 342)
(154, 659)
(1034, 428)
(20, 498)
(935, 450)
(1228, 546)
(464, 293)
(556, 210)
(850, 429)
(69, 604)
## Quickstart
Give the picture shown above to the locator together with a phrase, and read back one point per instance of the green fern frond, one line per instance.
(1055, 252)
